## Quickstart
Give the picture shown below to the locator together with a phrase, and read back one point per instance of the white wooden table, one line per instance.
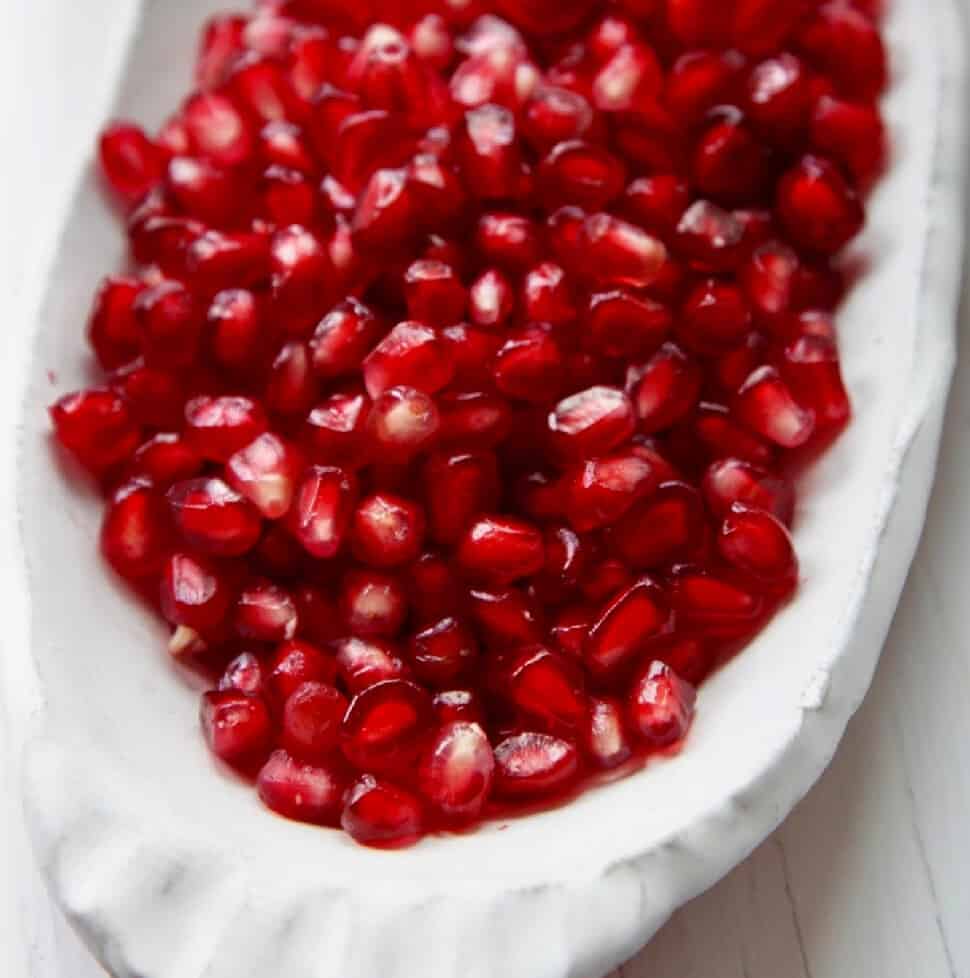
(869, 878)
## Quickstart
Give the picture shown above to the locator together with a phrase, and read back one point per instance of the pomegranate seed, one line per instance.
(470, 351)
(715, 318)
(386, 725)
(213, 518)
(433, 590)
(476, 419)
(489, 152)
(131, 163)
(457, 706)
(166, 458)
(96, 427)
(623, 627)
(221, 44)
(508, 240)
(435, 295)
(501, 550)
(265, 613)
(761, 25)
(765, 404)
(506, 616)
(459, 487)
(377, 813)
(620, 253)
(204, 191)
(262, 89)
(344, 337)
(664, 389)
(530, 765)
(431, 41)
(299, 268)
(312, 716)
(576, 172)
(819, 210)
(667, 526)
(402, 422)
(113, 328)
(284, 144)
(265, 471)
(237, 727)
(661, 706)
(490, 299)
(334, 428)
(134, 534)
(385, 214)
(411, 355)
(728, 163)
(234, 325)
(811, 366)
(699, 80)
(170, 321)
(555, 115)
(851, 133)
(591, 422)
(600, 491)
(304, 792)
(547, 688)
(218, 427)
(193, 593)
(295, 663)
(547, 295)
(287, 196)
(154, 397)
(529, 365)
(322, 508)
(710, 238)
(292, 386)
(715, 607)
(456, 772)
(387, 531)
(373, 604)
(443, 652)
(732, 480)
(758, 544)
(619, 324)
(216, 129)
(778, 97)
(363, 663)
(243, 675)
(605, 738)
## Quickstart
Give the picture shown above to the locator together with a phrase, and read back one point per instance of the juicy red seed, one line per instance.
(507, 617)
(443, 652)
(591, 422)
(170, 320)
(715, 318)
(664, 389)
(343, 338)
(292, 386)
(630, 80)
(294, 663)
(605, 739)
(717, 434)
(373, 604)
(778, 97)
(765, 404)
(377, 813)
(756, 542)
(244, 675)
(547, 295)
(698, 80)
(362, 663)
(334, 429)
(320, 514)
(508, 240)
(661, 529)
(547, 688)
(284, 144)
(166, 458)
(501, 549)
(135, 533)
(576, 172)
(304, 792)
(620, 253)
(728, 162)
(529, 366)
(458, 487)
(214, 518)
(386, 215)
(235, 330)
(265, 472)
(619, 324)
(470, 351)
(713, 606)
(456, 771)
(710, 238)
(411, 355)
(265, 612)
(387, 530)
(237, 727)
(733, 480)
(491, 300)
(554, 115)
(386, 725)
(113, 328)
(661, 706)
(96, 426)
(402, 422)
(600, 491)
(476, 419)
(435, 295)
(217, 129)
(811, 367)
(851, 133)
(768, 279)
(218, 427)
(489, 153)
(457, 706)
(312, 715)
(300, 270)
(204, 191)
(194, 593)
(131, 163)
(221, 43)
(820, 211)
(533, 765)
(433, 589)
(623, 627)
(287, 196)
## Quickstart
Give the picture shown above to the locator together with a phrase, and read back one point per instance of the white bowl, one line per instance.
(170, 870)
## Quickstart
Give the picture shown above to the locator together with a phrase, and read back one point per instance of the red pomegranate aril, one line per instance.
(817, 207)
(547, 295)
(294, 663)
(362, 663)
(218, 427)
(377, 813)
(591, 423)
(778, 97)
(443, 653)
(547, 688)
(580, 173)
(630, 80)
(433, 589)
(265, 471)
(489, 152)
(765, 405)
(500, 549)
(287, 196)
(96, 426)
(300, 270)
(715, 318)
(311, 719)
(262, 89)
(664, 389)
(458, 706)
(661, 529)
(431, 41)
(851, 133)
(221, 43)
(600, 491)
(657, 202)
(605, 739)
(661, 706)
(728, 163)
(710, 238)
(135, 532)
(811, 366)
(534, 765)
(623, 627)
(322, 507)
(386, 725)
(622, 325)
(714, 607)
(194, 593)
(760, 26)
(131, 163)
(456, 771)
(244, 674)
(732, 480)
(303, 792)
(292, 385)
(213, 518)
(566, 558)
(166, 458)
(204, 191)
(170, 321)
(372, 604)
(265, 612)
(459, 486)
(113, 328)
(768, 279)
(411, 355)
(529, 366)
(284, 144)
(758, 544)
(236, 727)
(717, 433)
(217, 129)
(490, 300)
(235, 330)
(387, 531)
(620, 253)
(604, 579)
(471, 350)
(554, 115)
(385, 217)
(344, 337)
(334, 429)
(699, 80)
(510, 241)
(473, 420)
(507, 617)
(435, 295)
(402, 422)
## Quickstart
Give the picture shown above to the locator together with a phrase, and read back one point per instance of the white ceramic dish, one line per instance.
(169, 871)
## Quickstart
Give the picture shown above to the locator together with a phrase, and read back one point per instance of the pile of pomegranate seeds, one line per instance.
(449, 402)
